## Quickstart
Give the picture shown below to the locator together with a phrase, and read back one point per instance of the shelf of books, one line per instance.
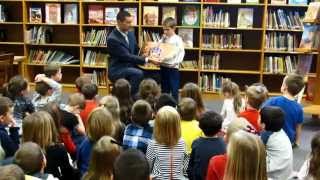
(245, 40)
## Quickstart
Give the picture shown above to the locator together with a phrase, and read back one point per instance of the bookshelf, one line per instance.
(243, 63)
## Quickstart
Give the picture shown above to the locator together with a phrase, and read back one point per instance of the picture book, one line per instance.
(53, 13)
(134, 14)
(70, 13)
(313, 12)
(110, 16)
(169, 11)
(95, 14)
(35, 15)
(151, 15)
(191, 16)
(3, 13)
(310, 37)
(245, 18)
(187, 37)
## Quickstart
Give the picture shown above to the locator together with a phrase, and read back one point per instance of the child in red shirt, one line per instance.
(89, 91)
(255, 96)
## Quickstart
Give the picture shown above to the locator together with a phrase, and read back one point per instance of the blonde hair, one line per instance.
(103, 155)
(256, 95)
(236, 125)
(167, 130)
(233, 89)
(77, 99)
(239, 167)
(39, 127)
(99, 124)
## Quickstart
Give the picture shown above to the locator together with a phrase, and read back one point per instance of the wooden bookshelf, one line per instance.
(243, 65)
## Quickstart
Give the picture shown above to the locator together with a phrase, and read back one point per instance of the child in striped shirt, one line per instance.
(167, 153)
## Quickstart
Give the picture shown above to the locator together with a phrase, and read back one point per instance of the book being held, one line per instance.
(158, 50)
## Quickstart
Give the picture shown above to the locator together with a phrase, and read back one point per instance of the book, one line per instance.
(191, 15)
(110, 16)
(95, 58)
(304, 64)
(310, 37)
(39, 35)
(280, 19)
(168, 0)
(169, 11)
(3, 13)
(281, 41)
(222, 41)
(51, 56)
(53, 13)
(70, 14)
(252, 1)
(189, 64)
(280, 64)
(134, 14)
(98, 77)
(95, 37)
(187, 37)
(35, 15)
(278, 1)
(298, 2)
(313, 12)
(234, 1)
(95, 14)
(218, 18)
(151, 15)
(211, 82)
(245, 18)
(210, 62)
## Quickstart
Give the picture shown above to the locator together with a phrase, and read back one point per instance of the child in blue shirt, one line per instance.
(293, 113)
(138, 133)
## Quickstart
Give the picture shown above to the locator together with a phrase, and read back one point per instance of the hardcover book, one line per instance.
(53, 13)
(245, 18)
(310, 37)
(70, 13)
(169, 11)
(110, 16)
(187, 37)
(313, 12)
(191, 16)
(95, 14)
(151, 15)
(35, 15)
(134, 14)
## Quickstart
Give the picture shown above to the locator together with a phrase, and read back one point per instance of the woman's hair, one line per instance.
(314, 167)
(149, 91)
(100, 124)
(233, 90)
(238, 166)
(111, 103)
(15, 86)
(167, 130)
(39, 128)
(103, 155)
(122, 90)
(192, 90)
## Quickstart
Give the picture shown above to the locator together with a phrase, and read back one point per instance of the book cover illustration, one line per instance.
(313, 12)
(95, 14)
(70, 13)
(3, 13)
(309, 39)
(35, 15)
(111, 15)
(134, 14)
(53, 13)
(169, 11)
(298, 2)
(150, 15)
(191, 16)
(245, 18)
(187, 37)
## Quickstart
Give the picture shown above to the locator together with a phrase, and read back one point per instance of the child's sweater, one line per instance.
(22, 105)
(9, 143)
(176, 58)
(41, 101)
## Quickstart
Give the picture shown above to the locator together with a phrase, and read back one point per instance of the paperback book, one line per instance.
(151, 15)
(35, 15)
(111, 15)
(70, 13)
(191, 15)
(53, 13)
(245, 18)
(95, 14)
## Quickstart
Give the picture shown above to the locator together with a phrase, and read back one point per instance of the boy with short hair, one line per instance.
(80, 81)
(43, 97)
(165, 100)
(32, 160)
(189, 125)
(206, 147)
(138, 133)
(293, 113)
(12, 172)
(9, 143)
(169, 67)
(90, 92)
(131, 165)
(278, 146)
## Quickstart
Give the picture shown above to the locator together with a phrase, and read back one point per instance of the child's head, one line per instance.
(55, 112)
(236, 125)
(292, 84)
(255, 96)
(242, 144)
(89, 91)
(167, 130)
(149, 91)
(111, 103)
(103, 156)
(6, 111)
(17, 86)
(132, 164)
(76, 102)
(229, 89)
(82, 80)
(53, 71)
(169, 26)
(272, 118)
(192, 90)
(165, 100)
(122, 90)
(100, 124)
(11, 172)
(43, 89)
(314, 167)
(30, 158)
(141, 112)
(187, 109)
(210, 123)
(39, 127)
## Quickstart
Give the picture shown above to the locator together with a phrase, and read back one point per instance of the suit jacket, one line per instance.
(122, 55)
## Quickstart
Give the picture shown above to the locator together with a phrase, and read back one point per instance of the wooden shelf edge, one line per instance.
(231, 71)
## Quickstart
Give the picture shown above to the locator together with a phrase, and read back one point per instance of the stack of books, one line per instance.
(280, 19)
(281, 41)
(280, 64)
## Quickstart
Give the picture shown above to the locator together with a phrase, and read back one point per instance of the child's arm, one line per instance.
(80, 127)
(298, 134)
(57, 88)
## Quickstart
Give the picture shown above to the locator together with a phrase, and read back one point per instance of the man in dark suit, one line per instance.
(123, 50)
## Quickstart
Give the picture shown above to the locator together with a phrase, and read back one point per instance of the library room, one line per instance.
(160, 89)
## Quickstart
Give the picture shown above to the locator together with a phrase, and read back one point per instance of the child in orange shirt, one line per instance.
(89, 91)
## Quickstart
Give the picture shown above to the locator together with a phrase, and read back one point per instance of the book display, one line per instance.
(247, 41)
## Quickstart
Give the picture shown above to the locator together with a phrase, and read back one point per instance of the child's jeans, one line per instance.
(170, 81)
